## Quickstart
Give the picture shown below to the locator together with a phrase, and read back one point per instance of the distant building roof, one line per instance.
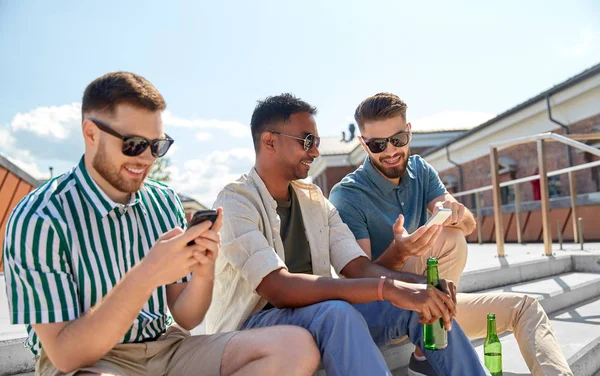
(16, 170)
(531, 101)
(187, 200)
(336, 146)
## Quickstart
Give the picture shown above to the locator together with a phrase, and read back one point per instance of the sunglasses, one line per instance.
(308, 142)
(378, 145)
(136, 145)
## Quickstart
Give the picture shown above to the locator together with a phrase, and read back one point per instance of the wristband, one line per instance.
(380, 288)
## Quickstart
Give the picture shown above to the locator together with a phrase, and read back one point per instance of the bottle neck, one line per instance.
(491, 328)
(432, 275)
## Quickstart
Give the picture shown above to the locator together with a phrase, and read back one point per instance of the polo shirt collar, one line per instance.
(96, 197)
(381, 182)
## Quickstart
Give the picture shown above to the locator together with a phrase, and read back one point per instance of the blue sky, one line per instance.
(458, 62)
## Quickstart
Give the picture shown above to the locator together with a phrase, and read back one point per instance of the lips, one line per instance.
(135, 170)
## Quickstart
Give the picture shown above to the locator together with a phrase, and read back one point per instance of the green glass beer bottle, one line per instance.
(492, 348)
(434, 335)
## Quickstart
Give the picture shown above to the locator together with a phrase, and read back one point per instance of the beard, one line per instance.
(112, 175)
(396, 172)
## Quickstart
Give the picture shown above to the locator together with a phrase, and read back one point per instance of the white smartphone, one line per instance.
(439, 217)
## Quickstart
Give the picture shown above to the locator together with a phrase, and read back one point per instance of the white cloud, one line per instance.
(55, 121)
(450, 120)
(203, 136)
(31, 168)
(234, 128)
(204, 178)
(7, 140)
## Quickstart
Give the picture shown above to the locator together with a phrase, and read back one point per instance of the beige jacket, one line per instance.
(252, 246)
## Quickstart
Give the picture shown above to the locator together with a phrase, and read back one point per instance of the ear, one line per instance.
(90, 133)
(267, 142)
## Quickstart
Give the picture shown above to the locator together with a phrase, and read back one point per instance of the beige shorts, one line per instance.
(174, 353)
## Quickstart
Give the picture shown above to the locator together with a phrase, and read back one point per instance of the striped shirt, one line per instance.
(67, 245)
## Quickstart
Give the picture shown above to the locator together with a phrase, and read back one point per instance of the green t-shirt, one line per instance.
(293, 236)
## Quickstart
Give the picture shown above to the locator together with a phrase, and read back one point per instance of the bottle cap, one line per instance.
(491, 316)
(432, 261)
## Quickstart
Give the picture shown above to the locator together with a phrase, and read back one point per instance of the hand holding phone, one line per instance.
(202, 216)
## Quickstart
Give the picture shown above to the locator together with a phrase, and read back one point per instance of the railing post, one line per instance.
(497, 201)
(479, 218)
(581, 232)
(518, 213)
(547, 233)
(559, 231)
(573, 190)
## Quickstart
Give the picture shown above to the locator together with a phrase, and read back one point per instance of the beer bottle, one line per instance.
(492, 349)
(435, 336)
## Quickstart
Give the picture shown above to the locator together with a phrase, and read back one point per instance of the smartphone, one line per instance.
(439, 217)
(201, 216)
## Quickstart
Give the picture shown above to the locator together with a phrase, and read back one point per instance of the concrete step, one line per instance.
(507, 273)
(554, 293)
(558, 291)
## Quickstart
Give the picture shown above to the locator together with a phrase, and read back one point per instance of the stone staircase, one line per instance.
(567, 286)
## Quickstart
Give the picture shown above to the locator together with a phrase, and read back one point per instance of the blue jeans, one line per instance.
(349, 337)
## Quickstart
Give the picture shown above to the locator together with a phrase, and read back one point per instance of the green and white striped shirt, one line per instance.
(67, 244)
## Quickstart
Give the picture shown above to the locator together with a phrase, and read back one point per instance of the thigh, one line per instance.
(193, 353)
(123, 360)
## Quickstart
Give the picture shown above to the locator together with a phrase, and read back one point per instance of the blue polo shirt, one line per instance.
(370, 204)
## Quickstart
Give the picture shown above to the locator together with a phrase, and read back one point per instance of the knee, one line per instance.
(338, 314)
(297, 350)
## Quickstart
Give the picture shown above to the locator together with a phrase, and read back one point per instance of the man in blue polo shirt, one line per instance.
(385, 203)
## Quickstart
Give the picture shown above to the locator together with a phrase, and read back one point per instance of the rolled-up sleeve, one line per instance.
(244, 245)
(343, 247)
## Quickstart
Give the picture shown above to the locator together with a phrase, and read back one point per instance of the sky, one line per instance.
(459, 62)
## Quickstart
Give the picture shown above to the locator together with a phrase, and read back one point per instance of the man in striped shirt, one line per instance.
(95, 257)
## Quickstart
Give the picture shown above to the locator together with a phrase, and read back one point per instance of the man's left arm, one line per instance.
(190, 299)
(461, 217)
(350, 260)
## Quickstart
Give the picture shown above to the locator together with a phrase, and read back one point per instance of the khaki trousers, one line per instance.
(174, 353)
(518, 313)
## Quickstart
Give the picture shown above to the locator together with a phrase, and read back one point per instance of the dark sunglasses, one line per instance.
(378, 145)
(308, 142)
(136, 145)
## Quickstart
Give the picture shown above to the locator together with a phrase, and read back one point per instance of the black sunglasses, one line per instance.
(135, 145)
(378, 145)
(308, 142)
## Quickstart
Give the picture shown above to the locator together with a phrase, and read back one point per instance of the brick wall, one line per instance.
(476, 173)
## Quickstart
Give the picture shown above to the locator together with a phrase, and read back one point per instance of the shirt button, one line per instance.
(402, 203)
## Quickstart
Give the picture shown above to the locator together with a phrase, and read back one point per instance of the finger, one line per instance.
(219, 222)
(171, 233)
(211, 249)
(415, 236)
(444, 313)
(425, 314)
(461, 212)
(211, 235)
(455, 212)
(398, 227)
(193, 232)
(425, 239)
(202, 258)
(446, 299)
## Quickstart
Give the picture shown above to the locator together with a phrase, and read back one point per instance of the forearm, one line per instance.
(87, 339)
(391, 258)
(363, 268)
(192, 304)
(298, 290)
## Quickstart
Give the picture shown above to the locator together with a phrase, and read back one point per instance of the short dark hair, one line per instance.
(381, 106)
(276, 109)
(106, 92)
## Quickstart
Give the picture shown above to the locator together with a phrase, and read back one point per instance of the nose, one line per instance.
(390, 148)
(314, 152)
(146, 157)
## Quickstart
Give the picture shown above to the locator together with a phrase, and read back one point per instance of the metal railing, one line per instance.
(572, 140)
